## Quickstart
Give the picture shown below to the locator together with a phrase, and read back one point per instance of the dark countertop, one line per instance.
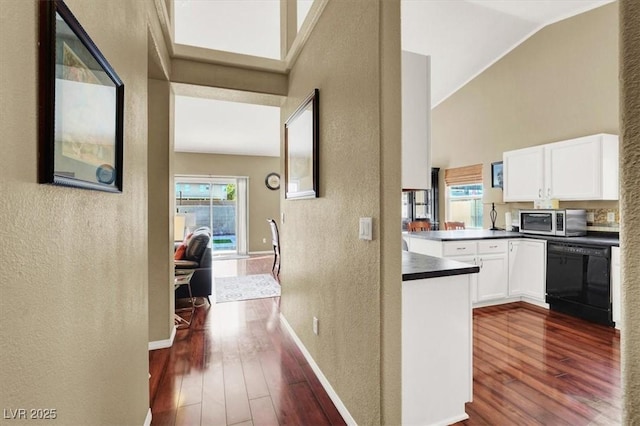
(464, 234)
(419, 266)
(596, 238)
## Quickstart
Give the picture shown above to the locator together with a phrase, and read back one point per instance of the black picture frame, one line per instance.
(497, 175)
(301, 136)
(80, 106)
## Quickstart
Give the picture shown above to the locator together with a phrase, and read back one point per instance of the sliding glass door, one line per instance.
(218, 203)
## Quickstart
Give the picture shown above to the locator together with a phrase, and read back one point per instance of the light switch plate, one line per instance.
(365, 231)
(611, 217)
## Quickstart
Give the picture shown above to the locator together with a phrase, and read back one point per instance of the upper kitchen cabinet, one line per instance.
(416, 121)
(584, 168)
(523, 174)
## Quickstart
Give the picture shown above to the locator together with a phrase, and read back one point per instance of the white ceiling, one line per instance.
(463, 38)
(224, 127)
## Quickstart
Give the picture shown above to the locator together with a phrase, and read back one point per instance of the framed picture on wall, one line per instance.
(496, 175)
(81, 106)
(301, 134)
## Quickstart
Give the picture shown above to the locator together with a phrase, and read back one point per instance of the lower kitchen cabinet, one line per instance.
(527, 269)
(493, 278)
(491, 284)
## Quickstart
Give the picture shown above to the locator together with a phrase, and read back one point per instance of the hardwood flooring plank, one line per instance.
(284, 401)
(262, 412)
(235, 392)
(163, 418)
(158, 360)
(327, 405)
(526, 400)
(254, 378)
(213, 397)
(560, 397)
(307, 406)
(555, 356)
(595, 385)
(188, 415)
(537, 366)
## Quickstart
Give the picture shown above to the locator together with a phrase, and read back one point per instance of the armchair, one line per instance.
(197, 256)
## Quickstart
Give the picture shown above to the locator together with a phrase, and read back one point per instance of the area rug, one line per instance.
(232, 289)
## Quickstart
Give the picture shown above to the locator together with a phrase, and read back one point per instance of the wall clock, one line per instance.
(272, 181)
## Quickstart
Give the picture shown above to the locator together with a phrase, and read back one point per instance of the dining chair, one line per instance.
(275, 241)
(419, 225)
(449, 226)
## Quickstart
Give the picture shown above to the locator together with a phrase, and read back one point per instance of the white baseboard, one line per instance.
(342, 409)
(262, 252)
(147, 420)
(161, 344)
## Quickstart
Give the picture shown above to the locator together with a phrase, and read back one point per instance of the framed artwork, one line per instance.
(496, 175)
(301, 134)
(81, 106)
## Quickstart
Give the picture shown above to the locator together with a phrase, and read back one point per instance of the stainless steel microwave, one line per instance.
(565, 223)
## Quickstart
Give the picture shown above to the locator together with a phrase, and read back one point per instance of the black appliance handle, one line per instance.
(578, 249)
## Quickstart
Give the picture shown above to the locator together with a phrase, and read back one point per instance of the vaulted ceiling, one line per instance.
(463, 38)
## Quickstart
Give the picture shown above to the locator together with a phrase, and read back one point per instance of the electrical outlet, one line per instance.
(590, 217)
(315, 325)
(264, 241)
(611, 217)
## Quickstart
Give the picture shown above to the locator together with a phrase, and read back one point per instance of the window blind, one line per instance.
(463, 175)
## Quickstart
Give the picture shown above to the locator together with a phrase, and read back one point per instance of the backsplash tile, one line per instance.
(601, 219)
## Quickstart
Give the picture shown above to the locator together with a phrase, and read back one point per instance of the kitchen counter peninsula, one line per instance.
(597, 238)
(437, 340)
(464, 234)
(419, 266)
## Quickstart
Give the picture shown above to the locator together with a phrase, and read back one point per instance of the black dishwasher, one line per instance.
(578, 281)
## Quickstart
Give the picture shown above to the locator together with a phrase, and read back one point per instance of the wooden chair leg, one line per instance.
(275, 259)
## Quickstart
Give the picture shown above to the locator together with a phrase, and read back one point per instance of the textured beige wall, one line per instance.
(73, 300)
(390, 172)
(160, 241)
(228, 77)
(326, 271)
(263, 202)
(630, 206)
(559, 84)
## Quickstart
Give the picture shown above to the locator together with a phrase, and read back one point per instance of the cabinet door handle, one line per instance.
(539, 192)
(548, 192)
(493, 246)
(461, 248)
(481, 263)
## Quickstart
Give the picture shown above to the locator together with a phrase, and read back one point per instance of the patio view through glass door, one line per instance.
(217, 203)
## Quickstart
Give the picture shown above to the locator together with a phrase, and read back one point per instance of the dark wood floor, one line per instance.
(235, 365)
(538, 367)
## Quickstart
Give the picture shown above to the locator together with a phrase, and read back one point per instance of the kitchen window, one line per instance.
(464, 204)
(463, 195)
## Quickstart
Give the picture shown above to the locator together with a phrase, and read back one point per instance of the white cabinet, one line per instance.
(578, 169)
(527, 269)
(523, 174)
(416, 121)
(491, 283)
(494, 267)
(437, 350)
(616, 291)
